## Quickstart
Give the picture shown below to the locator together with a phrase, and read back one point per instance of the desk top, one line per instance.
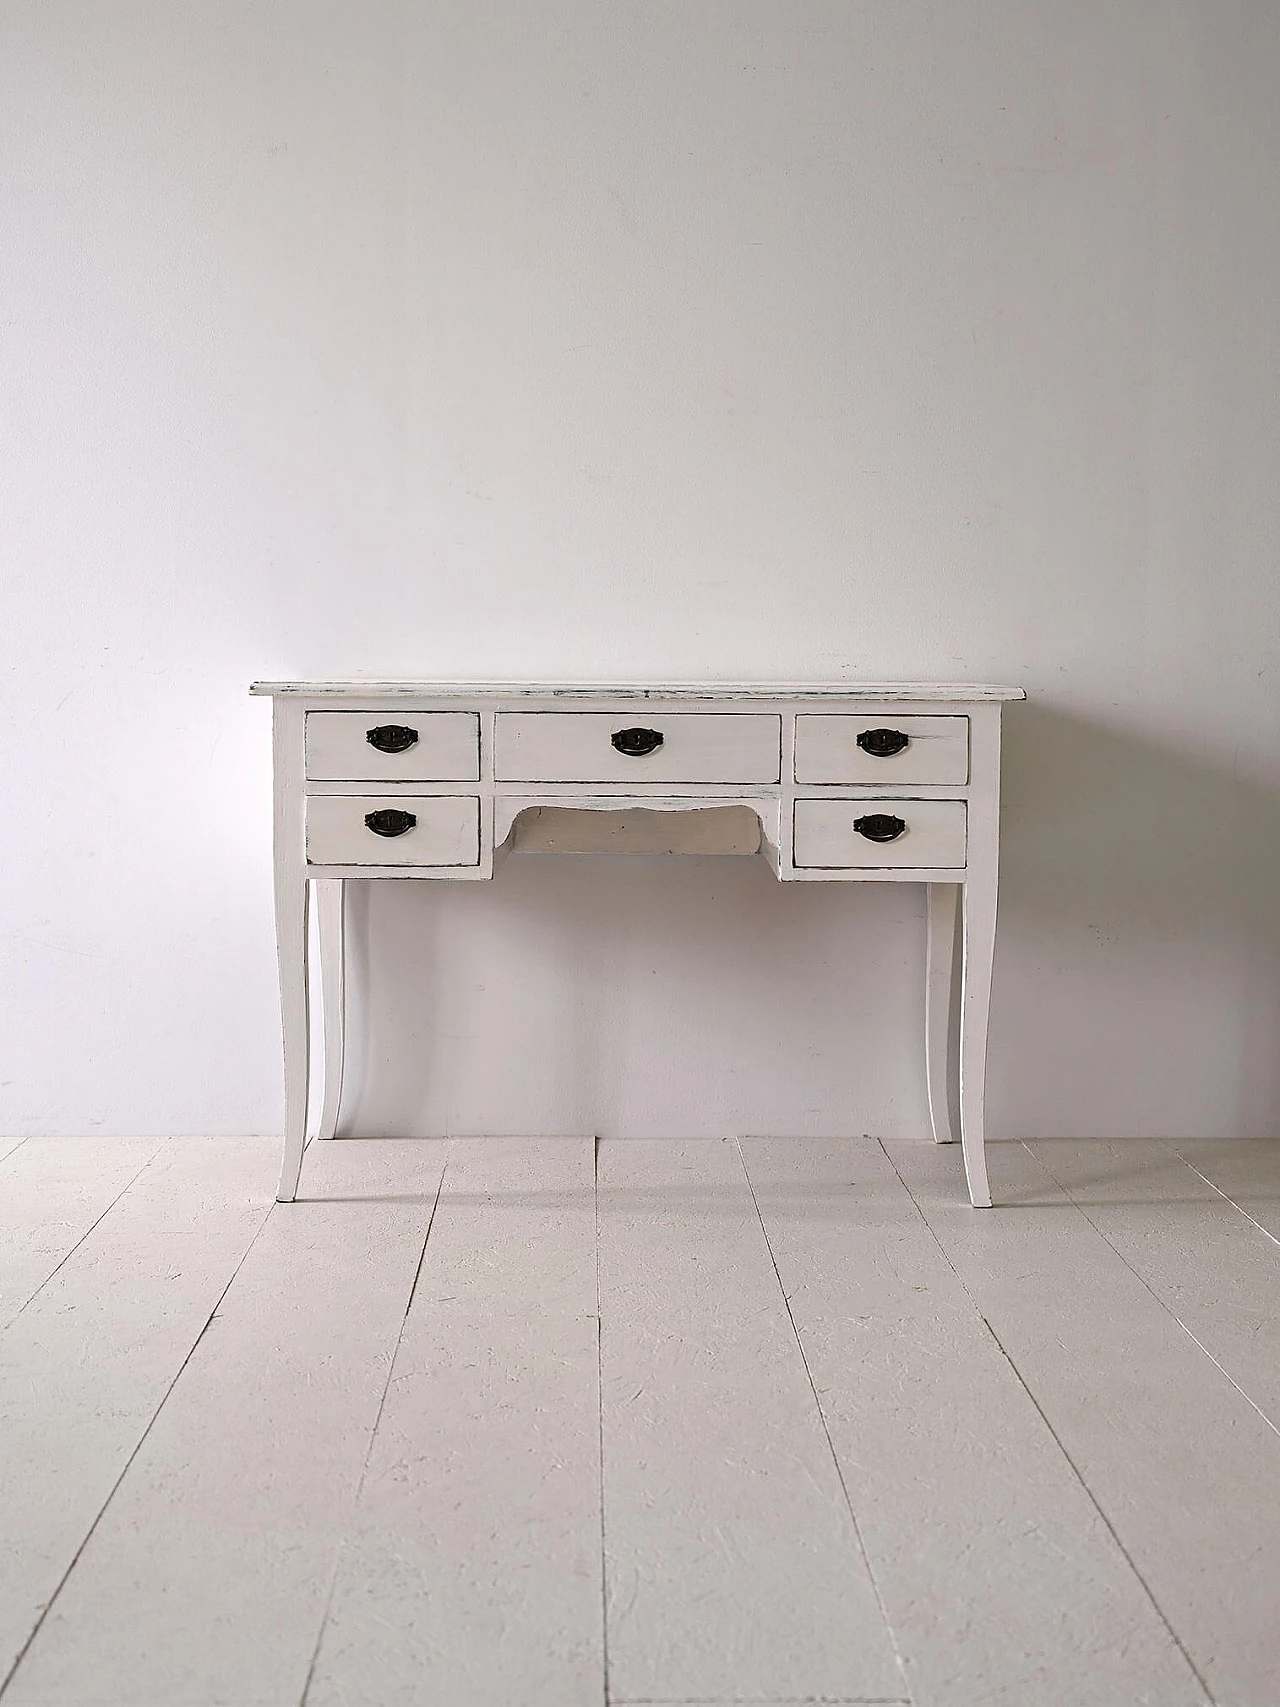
(358, 689)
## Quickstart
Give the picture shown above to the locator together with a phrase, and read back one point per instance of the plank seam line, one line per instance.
(839, 1469)
(1265, 1231)
(373, 1434)
(128, 1464)
(604, 1555)
(88, 1230)
(1075, 1468)
(1144, 1282)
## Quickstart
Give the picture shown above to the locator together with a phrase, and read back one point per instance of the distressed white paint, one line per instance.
(827, 750)
(564, 761)
(977, 946)
(447, 831)
(702, 830)
(292, 910)
(579, 693)
(566, 746)
(331, 920)
(827, 836)
(620, 814)
(942, 912)
(813, 340)
(447, 748)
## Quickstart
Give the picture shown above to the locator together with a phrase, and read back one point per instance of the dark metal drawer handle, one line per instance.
(880, 827)
(883, 743)
(392, 737)
(390, 821)
(636, 743)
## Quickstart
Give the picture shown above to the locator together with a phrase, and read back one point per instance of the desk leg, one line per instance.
(291, 946)
(331, 922)
(944, 899)
(979, 939)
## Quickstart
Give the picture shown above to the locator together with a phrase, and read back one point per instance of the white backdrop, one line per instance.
(898, 339)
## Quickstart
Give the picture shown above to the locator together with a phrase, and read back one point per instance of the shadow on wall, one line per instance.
(635, 996)
(1137, 979)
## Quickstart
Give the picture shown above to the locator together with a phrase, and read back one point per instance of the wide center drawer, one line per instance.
(857, 834)
(881, 749)
(638, 745)
(393, 746)
(393, 829)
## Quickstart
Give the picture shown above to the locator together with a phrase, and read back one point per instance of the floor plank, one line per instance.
(516, 1228)
(734, 1566)
(53, 1191)
(85, 1366)
(474, 1557)
(1247, 1170)
(473, 1573)
(1212, 1266)
(1000, 1580)
(207, 1578)
(1185, 1470)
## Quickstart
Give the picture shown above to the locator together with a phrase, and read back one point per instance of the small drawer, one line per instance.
(393, 829)
(638, 744)
(393, 746)
(839, 834)
(882, 749)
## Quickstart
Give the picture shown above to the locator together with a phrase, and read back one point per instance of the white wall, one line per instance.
(842, 338)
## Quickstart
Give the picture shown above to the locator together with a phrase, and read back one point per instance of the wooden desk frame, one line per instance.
(694, 718)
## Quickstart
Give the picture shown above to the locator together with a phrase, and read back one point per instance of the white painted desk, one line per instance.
(849, 785)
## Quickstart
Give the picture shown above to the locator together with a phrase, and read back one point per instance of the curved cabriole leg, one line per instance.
(979, 937)
(291, 942)
(330, 896)
(943, 905)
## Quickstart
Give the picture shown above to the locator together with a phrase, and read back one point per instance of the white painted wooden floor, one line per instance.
(487, 1422)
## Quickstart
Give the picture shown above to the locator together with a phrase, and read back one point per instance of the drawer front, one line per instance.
(934, 833)
(445, 830)
(573, 746)
(894, 749)
(406, 746)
